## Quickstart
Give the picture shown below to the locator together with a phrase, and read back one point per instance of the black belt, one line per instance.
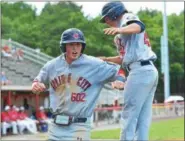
(72, 119)
(142, 63)
(80, 120)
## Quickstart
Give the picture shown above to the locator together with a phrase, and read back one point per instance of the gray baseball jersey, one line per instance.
(133, 47)
(74, 88)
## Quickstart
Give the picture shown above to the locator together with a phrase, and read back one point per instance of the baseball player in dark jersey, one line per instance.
(136, 56)
(75, 81)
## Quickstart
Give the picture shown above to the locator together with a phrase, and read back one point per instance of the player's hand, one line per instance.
(118, 84)
(38, 87)
(102, 58)
(111, 31)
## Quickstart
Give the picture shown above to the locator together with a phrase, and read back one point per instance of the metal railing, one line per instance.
(112, 115)
(29, 53)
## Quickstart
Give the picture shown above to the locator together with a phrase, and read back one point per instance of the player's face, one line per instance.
(110, 23)
(73, 51)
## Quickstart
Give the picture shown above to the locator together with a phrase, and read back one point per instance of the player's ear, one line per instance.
(107, 19)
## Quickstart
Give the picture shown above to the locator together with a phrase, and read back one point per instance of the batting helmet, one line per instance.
(72, 35)
(112, 10)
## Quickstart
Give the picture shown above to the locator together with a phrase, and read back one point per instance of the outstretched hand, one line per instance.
(111, 31)
(102, 58)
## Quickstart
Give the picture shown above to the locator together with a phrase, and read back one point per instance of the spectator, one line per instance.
(20, 54)
(41, 115)
(6, 52)
(42, 118)
(6, 121)
(26, 123)
(4, 79)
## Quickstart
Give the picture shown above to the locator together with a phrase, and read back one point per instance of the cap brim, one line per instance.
(102, 20)
(73, 41)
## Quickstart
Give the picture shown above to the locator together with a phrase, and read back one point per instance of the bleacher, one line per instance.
(23, 72)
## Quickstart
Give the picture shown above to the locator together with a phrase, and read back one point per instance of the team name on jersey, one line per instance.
(63, 79)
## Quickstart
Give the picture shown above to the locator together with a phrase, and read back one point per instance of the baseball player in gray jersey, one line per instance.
(136, 55)
(75, 81)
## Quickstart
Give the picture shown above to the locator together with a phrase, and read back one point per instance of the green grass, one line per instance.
(161, 130)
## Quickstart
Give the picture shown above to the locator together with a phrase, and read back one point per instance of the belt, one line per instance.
(70, 119)
(78, 120)
(138, 64)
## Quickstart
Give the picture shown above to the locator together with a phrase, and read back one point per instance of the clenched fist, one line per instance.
(38, 87)
(118, 84)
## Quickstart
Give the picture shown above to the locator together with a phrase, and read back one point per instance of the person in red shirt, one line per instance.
(41, 115)
(6, 121)
(13, 114)
(43, 119)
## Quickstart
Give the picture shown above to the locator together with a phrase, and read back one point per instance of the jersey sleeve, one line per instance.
(130, 18)
(43, 76)
(107, 72)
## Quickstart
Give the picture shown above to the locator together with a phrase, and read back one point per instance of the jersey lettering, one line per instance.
(78, 97)
(59, 80)
(83, 83)
(120, 46)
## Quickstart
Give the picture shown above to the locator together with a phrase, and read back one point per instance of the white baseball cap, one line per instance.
(21, 108)
(14, 107)
(41, 108)
(17, 109)
(7, 108)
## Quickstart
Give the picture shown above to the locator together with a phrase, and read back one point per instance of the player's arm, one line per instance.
(40, 82)
(115, 59)
(131, 25)
(107, 72)
(133, 28)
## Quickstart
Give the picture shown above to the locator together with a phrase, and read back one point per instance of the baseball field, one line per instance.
(172, 129)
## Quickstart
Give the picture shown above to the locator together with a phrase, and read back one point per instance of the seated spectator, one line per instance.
(6, 51)
(4, 79)
(41, 115)
(43, 119)
(6, 122)
(20, 54)
(25, 122)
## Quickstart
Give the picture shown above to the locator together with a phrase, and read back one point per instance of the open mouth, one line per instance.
(74, 53)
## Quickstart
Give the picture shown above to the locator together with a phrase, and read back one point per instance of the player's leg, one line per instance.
(20, 126)
(81, 131)
(31, 126)
(5, 126)
(14, 127)
(145, 117)
(75, 131)
(137, 89)
(57, 132)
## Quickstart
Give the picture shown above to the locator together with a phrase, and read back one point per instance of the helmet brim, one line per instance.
(102, 20)
(73, 41)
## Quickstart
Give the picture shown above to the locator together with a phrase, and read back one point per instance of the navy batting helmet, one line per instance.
(112, 10)
(72, 35)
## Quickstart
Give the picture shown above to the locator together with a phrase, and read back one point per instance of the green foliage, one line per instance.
(20, 22)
